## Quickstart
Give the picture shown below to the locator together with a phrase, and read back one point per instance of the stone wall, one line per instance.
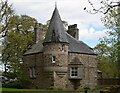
(59, 67)
(55, 49)
(56, 74)
(89, 77)
(36, 61)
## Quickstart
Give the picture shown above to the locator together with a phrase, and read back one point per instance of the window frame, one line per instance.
(73, 72)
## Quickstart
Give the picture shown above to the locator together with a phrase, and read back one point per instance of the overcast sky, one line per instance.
(90, 26)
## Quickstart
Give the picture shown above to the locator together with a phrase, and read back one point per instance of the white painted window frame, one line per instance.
(73, 71)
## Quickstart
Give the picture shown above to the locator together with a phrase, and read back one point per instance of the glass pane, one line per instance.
(73, 71)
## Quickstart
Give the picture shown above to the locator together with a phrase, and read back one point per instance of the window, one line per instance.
(63, 48)
(53, 59)
(73, 71)
(30, 69)
(32, 72)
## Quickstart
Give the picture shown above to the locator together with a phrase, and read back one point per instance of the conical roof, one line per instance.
(56, 31)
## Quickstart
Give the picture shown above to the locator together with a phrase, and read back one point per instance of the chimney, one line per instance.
(73, 31)
(38, 32)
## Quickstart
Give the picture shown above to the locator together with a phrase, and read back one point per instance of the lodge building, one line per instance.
(60, 60)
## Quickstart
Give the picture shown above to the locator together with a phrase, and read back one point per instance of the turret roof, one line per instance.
(56, 31)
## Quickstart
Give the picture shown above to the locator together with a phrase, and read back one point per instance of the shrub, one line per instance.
(13, 84)
(25, 83)
(50, 88)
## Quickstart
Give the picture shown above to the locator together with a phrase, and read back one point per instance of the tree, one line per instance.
(112, 21)
(19, 37)
(6, 12)
(106, 59)
(106, 5)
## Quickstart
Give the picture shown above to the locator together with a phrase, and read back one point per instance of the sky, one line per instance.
(90, 26)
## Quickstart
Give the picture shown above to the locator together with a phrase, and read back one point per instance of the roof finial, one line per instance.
(55, 4)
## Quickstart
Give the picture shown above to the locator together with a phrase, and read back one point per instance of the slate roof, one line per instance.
(78, 46)
(75, 46)
(56, 31)
(36, 48)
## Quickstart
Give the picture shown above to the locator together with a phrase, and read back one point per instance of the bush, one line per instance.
(25, 83)
(50, 88)
(13, 84)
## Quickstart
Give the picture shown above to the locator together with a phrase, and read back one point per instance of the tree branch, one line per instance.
(107, 6)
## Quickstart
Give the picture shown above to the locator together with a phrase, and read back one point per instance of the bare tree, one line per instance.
(106, 6)
(6, 12)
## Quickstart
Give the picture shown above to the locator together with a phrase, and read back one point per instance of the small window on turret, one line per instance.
(63, 48)
(53, 59)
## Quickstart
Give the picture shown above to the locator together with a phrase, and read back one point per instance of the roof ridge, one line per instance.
(72, 36)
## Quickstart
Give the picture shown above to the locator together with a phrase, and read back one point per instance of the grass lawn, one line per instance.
(14, 89)
(41, 90)
(36, 90)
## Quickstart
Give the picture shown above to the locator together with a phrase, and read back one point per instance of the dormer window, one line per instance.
(73, 72)
(53, 59)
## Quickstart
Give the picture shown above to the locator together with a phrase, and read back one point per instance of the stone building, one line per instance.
(60, 60)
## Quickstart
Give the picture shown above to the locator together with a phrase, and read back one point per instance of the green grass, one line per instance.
(13, 89)
(41, 90)
(35, 90)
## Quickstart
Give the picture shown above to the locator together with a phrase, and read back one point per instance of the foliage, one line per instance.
(10, 75)
(109, 47)
(19, 79)
(107, 59)
(19, 83)
(20, 36)
(13, 84)
(112, 21)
